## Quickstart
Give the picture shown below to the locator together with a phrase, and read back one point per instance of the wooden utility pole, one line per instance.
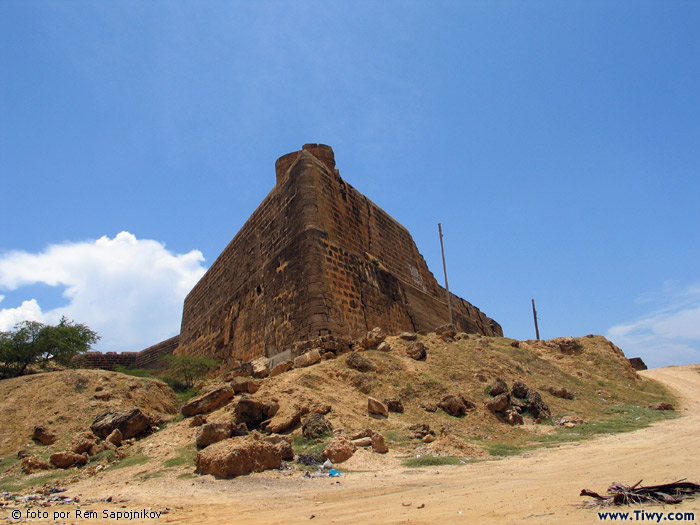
(444, 269)
(534, 314)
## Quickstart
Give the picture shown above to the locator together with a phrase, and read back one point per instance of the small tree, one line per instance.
(189, 368)
(31, 341)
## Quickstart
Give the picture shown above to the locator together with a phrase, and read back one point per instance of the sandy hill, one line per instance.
(607, 393)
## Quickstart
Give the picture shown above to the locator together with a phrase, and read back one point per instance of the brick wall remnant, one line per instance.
(315, 258)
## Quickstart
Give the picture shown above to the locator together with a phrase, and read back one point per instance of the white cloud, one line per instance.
(129, 290)
(669, 335)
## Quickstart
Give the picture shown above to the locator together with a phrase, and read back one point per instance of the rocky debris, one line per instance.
(339, 449)
(568, 345)
(43, 435)
(637, 363)
(394, 405)
(498, 387)
(283, 444)
(281, 368)
(362, 442)
(515, 344)
(316, 426)
(309, 459)
(408, 336)
(519, 390)
(384, 347)
(376, 408)
(373, 338)
(428, 438)
(241, 429)
(284, 420)
(571, 422)
(420, 430)
(429, 406)
(68, 459)
(536, 406)
(513, 417)
(456, 406)
(446, 330)
(661, 406)
(86, 442)
(239, 456)
(416, 350)
(378, 444)
(243, 370)
(244, 385)
(211, 433)
(359, 362)
(115, 437)
(34, 463)
(498, 403)
(209, 401)
(309, 358)
(561, 392)
(131, 423)
(103, 396)
(23, 453)
(328, 355)
(198, 420)
(253, 413)
(260, 367)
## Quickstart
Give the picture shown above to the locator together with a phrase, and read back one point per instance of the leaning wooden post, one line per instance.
(444, 269)
(534, 314)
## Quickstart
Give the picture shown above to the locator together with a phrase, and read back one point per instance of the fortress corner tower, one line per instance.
(316, 258)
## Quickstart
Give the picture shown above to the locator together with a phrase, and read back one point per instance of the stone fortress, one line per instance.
(317, 259)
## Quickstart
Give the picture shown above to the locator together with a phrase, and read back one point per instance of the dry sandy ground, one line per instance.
(538, 487)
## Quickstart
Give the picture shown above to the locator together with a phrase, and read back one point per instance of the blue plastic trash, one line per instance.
(333, 473)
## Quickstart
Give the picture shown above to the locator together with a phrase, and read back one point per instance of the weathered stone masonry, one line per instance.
(316, 258)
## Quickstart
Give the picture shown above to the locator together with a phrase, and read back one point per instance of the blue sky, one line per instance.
(557, 143)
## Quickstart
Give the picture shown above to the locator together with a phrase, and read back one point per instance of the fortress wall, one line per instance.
(150, 357)
(107, 360)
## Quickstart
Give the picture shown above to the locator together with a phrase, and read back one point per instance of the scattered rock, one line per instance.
(309, 358)
(498, 387)
(359, 362)
(260, 367)
(103, 396)
(637, 363)
(479, 376)
(240, 371)
(560, 392)
(428, 438)
(362, 442)
(570, 422)
(515, 344)
(536, 406)
(376, 408)
(339, 449)
(384, 347)
(328, 355)
(519, 390)
(446, 330)
(253, 412)
(34, 463)
(86, 442)
(283, 444)
(115, 437)
(378, 443)
(420, 430)
(241, 429)
(514, 417)
(244, 385)
(453, 405)
(43, 435)
(498, 403)
(239, 456)
(394, 405)
(211, 433)
(68, 459)
(416, 350)
(208, 402)
(131, 423)
(316, 426)
(429, 406)
(408, 336)
(373, 338)
(198, 420)
(661, 406)
(285, 421)
(281, 368)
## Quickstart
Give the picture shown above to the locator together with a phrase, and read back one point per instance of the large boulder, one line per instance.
(316, 426)
(244, 385)
(536, 406)
(43, 435)
(447, 330)
(131, 423)
(239, 456)
(359, 362)
(373, 338)
(519, 390)
(210, 433)
(376, 408)
(394, 405)
(498, 387)
(208, 402)
(284, 420)
(34, 463)
(68, 459)
(416, 350)
(408, 336)
(339, 449)
(498, 403)
(260, 367)
(561, 392)
(453, 405)
(281, 368)
(87, 442)
(253, 412)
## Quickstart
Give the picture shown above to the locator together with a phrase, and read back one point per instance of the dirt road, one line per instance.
(537, 487)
